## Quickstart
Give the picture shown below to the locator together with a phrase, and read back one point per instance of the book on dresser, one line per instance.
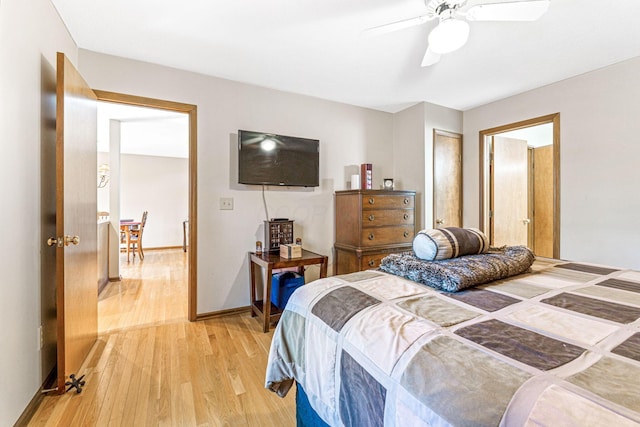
(370, 224)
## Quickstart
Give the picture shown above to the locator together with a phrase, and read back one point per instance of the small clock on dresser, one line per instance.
(387, 184)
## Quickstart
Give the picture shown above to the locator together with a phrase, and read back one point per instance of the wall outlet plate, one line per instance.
(226, 203)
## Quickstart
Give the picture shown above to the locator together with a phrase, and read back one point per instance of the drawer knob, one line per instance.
(406, 216)
(371, 236)
(372, 263)
(406, 201)
(371, 217)
(371, 200)
(406, 234)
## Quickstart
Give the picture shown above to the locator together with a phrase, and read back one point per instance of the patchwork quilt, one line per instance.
(554, 347)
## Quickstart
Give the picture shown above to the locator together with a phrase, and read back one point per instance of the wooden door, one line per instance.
(447, 179)
(509, 192)
(543, 201)
(76, 216)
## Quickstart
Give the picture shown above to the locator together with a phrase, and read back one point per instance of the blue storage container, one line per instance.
(282, 286)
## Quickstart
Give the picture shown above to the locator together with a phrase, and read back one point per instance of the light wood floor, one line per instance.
(152, 367)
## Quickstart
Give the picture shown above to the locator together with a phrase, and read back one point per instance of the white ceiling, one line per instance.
(315, 47)
(536, 136)
(144, 131)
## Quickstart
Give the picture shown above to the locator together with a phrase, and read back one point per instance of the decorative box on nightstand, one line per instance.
(289, 251)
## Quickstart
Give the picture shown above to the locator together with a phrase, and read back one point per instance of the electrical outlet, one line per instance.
(40, 337)
(226, 203)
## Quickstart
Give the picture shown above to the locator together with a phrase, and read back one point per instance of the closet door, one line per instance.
(447, 179)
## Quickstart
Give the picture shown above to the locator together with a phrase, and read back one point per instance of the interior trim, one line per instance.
(192, 111)
(35, 402)
(550, 118)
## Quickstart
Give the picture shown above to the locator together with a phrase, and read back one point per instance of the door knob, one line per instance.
(71, 240)
(439, 221)
(52, 241)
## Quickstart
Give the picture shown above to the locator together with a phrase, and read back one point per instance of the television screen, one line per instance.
(268, 159)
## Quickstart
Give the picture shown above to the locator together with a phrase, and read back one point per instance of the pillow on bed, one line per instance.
(449, 242)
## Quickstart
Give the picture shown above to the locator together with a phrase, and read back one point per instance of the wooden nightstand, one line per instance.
(271, 261)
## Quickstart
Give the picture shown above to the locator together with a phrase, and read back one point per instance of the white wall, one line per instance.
(348, 136)
(30, 34)
(599, 170)
(159, 185)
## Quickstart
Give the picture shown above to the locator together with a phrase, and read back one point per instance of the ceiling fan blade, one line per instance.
(527, 10)
(395, 26)
(430, 58)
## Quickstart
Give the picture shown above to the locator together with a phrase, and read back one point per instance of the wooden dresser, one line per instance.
(370, 224)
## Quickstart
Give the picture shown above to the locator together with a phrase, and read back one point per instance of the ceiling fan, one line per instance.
(452, 30)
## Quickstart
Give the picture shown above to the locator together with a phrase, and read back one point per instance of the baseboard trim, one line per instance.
(221, 313)
(156, 248)
(102, 283)
(33, 406)
(160, 248)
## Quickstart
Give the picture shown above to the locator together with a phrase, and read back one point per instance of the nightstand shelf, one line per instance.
(269, 261)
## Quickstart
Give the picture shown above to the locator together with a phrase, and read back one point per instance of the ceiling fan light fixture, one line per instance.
(450, 34)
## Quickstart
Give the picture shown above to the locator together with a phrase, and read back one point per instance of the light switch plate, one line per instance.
(226, 203)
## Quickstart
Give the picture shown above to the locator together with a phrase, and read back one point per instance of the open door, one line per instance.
(510, 194)
(76, 221)
(543, 214)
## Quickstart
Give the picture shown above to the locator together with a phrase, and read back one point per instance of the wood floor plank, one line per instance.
(152, 367)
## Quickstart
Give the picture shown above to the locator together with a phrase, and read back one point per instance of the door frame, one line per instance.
(484, 170)
(192, 111)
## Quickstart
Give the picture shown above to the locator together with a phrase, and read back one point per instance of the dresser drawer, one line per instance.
(378, 218)
(373, 201)
(368, 262)
(350, 260)
(387, 235)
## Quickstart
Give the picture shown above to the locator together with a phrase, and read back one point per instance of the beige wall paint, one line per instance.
(30, 33)
(413, 151)
(348, 136)
(442, 118)
(408, 160)
(159, 185)
(599, 130)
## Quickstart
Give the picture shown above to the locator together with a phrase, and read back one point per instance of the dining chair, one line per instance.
(135, 238)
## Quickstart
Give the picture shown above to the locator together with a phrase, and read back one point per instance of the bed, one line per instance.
(557, 345)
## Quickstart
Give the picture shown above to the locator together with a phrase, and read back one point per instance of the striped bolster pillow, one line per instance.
(449, 242)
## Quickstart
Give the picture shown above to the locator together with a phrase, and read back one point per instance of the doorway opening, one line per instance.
(520, 184)
(150, 158)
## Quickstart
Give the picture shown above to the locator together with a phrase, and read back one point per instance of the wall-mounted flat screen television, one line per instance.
(268, 159)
